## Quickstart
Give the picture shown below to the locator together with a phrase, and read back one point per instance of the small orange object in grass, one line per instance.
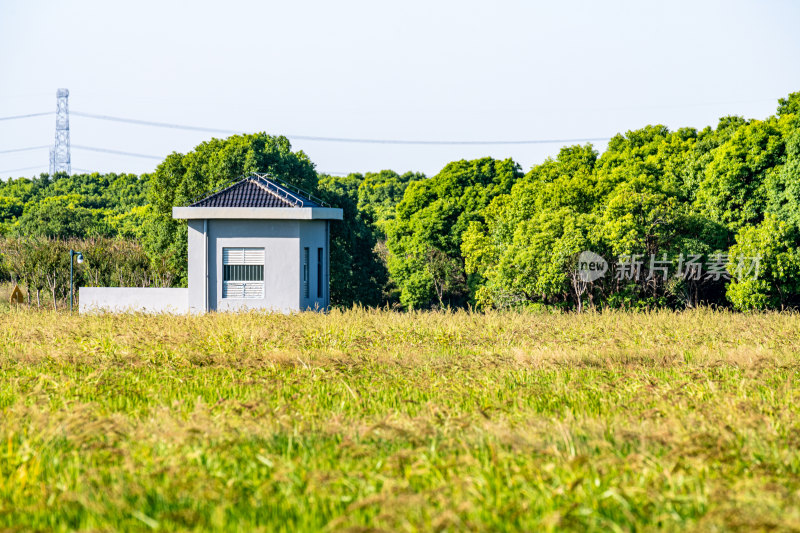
(17, 297)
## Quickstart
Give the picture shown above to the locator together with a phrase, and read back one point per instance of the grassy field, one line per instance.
(373, 420)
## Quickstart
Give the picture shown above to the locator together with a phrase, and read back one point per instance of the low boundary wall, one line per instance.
(133, 300)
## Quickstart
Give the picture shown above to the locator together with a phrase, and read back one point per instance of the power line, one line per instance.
(88, 171)
(21, 169)
(116, 152)
(27, 148)
(80, 147)
(151, 123)
(442, 143)
(15, 117)
(334, 139)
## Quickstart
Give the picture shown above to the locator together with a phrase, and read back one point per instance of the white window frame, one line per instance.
(243, 289)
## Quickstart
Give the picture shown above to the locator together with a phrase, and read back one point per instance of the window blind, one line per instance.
(243, 273)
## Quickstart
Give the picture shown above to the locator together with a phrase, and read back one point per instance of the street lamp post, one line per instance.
(77, 256)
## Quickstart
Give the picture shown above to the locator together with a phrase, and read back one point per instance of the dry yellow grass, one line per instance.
(390, 421)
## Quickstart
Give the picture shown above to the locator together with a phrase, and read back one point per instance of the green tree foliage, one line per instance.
(181, 178)
(789, 105)
(119, 263)
(765, 266)
(10, 209)
(524, 248)
(62, 217)
(424, 240)
(537, 263)
(652, 194)
(734, 189)
(117, 192)
(783, 190)
(61, 206)
(380, 192)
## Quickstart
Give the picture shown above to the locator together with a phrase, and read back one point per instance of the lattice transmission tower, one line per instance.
(60, 160)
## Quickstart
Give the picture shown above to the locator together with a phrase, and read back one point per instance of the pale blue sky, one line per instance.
(418, 70)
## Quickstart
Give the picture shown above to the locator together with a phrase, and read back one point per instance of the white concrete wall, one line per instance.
(133, 300)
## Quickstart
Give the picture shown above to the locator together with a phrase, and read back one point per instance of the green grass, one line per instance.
(367, 420)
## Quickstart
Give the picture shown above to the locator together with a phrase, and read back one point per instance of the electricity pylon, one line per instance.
(60, 160)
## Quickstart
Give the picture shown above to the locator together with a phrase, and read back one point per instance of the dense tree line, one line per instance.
(677, 215)
(80, 205)
(727, 194)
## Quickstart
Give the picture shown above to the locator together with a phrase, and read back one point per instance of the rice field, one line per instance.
(368, 420)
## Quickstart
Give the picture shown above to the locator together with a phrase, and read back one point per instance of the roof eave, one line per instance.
(257, 213)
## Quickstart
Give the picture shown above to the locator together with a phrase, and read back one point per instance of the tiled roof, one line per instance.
(255, 191)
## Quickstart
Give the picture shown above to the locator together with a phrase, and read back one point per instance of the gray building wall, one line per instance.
(196, 267)
(283, 242)
(312, 236)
